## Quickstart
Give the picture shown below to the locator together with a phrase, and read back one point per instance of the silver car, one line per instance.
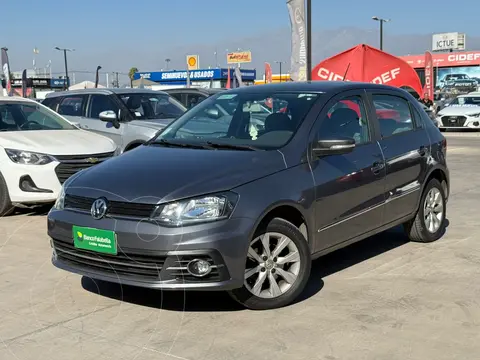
(130, 117)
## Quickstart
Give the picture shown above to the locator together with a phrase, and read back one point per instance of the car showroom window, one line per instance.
(393, 114)
(347, 118)
(72, 105)
(99, 103)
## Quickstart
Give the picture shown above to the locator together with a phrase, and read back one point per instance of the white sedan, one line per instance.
(39, 150)
(462, 112)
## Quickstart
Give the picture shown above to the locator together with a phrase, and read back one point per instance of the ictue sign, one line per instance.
(448, 41)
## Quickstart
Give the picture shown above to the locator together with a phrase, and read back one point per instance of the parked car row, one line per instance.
(243, 190)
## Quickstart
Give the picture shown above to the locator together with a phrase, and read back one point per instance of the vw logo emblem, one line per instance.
(99, 208)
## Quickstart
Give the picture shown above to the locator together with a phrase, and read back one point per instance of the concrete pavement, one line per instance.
(383, 298)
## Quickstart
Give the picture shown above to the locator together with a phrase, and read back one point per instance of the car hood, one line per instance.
(154, 174)
(459, 110)
(53, 142)
(156, 124)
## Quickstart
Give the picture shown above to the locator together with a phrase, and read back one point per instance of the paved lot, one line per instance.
(383, 298)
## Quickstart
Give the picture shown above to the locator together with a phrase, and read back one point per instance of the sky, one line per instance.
(143, 33)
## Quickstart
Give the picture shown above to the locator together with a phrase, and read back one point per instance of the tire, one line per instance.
(275, 267)
(6, 207)
(417, 229)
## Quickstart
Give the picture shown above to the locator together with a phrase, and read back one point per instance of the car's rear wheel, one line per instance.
(6, 206)
(277, 267)
(430, 222)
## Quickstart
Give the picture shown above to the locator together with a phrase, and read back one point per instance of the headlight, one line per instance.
(197, 210)
(474, 115)
(28, 158)
(60, 202)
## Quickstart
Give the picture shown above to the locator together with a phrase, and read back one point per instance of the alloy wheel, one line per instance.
(433, 210)
(273, 265)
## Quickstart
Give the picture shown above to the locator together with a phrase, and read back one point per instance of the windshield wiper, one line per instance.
(231, 146)
(167, 143)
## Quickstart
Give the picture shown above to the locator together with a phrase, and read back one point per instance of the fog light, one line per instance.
(476, 123)
(199, 268)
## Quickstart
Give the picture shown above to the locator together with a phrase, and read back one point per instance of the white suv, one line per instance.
(39, 150)
(462, 112)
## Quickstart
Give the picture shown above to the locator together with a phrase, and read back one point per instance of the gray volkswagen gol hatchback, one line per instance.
(214, 203)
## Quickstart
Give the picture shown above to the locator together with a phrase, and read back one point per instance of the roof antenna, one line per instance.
(346, 71)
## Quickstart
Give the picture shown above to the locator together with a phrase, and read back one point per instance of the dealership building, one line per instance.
(204, 78)
(464, 63)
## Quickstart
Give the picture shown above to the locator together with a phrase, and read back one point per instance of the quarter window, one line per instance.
(347, 118)
(393, 114)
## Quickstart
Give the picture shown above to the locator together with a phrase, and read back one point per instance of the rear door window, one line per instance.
(73, 105)
(52, 102)
(393, 114)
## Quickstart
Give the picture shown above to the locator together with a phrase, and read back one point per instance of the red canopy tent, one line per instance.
(367, 64)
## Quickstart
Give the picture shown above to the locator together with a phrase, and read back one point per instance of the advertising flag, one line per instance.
(428, 75)
(298, 66)
(238, 76)
(6, 71)
(268, 73)
(229, 85)
(24, 83)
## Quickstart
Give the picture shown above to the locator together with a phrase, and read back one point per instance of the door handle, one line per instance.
(377, 167)
(422, 151)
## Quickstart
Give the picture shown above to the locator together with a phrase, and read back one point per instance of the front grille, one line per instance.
(143, 266)
(115, 208)
(71, 164)
(453, 121)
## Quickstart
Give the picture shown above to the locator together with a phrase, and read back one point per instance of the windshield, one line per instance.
(457, 77)
(260, 120)
(152, 106)
(22, 116)
(466, 100)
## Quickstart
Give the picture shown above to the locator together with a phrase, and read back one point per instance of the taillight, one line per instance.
(444, 144)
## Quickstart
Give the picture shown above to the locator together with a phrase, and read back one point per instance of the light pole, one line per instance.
(376, 18)
(167, 61)
(66, 64)
(280, 63)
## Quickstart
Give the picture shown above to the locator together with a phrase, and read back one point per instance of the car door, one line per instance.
(349, 188)
(73, 107)
(97, 104)
(406, 148)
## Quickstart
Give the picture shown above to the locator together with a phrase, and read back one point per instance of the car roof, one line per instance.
(106, 91)
(195, 90)
(313, 86)
(475, 94)
(16, 99)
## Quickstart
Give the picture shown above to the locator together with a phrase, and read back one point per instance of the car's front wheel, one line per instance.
(277, 267)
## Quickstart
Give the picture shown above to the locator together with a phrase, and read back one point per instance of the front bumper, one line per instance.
(469, 122)
(43, 176)
(152, 256)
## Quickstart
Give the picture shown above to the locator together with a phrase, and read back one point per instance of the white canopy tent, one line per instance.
(84, 85)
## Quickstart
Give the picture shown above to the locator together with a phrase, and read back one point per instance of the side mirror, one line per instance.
(337, 146)
(110, 116)
(213, 113)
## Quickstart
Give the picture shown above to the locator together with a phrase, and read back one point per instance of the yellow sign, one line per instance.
(239, 57)
(192, 62)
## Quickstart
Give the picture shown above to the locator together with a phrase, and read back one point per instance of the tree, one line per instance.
(131, 74)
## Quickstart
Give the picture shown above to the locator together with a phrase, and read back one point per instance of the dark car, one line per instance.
(204, 206)
(190, 97)
(458, 82)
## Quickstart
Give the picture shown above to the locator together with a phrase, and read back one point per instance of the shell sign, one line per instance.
(239, 57)
(192, 62)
